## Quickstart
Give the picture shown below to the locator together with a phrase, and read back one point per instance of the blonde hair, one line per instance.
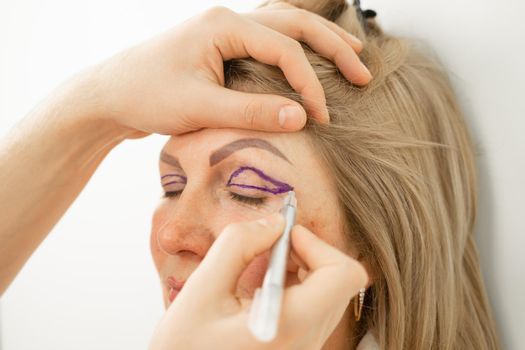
(403, 162)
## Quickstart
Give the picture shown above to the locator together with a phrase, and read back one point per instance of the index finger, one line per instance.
(324, 37)
(237, 245)
(273, 48)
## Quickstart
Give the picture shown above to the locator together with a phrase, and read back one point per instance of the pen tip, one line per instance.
(290, 199)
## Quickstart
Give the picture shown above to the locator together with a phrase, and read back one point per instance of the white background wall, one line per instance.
(92, 284)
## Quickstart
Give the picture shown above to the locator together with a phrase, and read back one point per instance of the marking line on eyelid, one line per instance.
(281, 186)
(173, 182)
(237, 145)
(174, 175)
(265, 189)
(183, 178)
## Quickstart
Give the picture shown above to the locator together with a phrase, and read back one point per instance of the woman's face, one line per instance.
(215, 177)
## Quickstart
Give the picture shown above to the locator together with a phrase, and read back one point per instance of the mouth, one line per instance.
(174, 287)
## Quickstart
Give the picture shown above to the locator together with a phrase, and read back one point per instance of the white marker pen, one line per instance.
(266, 307)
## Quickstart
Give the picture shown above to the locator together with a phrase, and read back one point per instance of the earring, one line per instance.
(359, 308)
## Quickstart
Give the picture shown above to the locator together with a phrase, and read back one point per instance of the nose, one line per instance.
(185, 230)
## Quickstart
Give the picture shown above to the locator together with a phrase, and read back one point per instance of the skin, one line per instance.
(153, 88)
(186, 225)
(66, 137)
(275, 187)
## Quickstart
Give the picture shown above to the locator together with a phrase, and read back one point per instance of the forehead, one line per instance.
(205, 142)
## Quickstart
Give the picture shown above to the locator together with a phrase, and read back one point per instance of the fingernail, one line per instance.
(301, 274)
(291, 117)
(296, 259)
(365, 68)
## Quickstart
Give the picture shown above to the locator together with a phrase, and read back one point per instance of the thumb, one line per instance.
(234, 109)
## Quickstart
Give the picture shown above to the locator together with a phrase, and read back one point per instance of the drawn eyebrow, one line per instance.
(226, 150)
(169, 159)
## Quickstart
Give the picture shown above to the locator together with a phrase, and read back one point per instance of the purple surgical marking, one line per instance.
(281, 187)
(182, 179)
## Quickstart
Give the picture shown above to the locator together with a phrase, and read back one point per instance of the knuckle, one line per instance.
(236, 236)
(301, 21)
(293, 49)
(231, 232)
(303, 16)
(216, 12)
(295, 46)
(239, 232)
(252, 112)
(280, 5)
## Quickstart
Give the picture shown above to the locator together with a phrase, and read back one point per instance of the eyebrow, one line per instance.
(226, 150)
(168, 159)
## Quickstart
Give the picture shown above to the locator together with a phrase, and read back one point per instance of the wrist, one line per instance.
(83, 105)
(72, 137)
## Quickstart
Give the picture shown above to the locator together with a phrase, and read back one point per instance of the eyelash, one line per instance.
(254, 201)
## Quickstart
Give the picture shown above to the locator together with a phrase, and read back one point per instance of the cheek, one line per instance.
(251, 277)
(324, 225)
(313, 223)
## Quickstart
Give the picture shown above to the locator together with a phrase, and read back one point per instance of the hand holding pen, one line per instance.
(207, 315)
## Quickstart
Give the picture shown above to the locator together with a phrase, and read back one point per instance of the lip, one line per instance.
(174, 283)
(172, 294)
(174, 287)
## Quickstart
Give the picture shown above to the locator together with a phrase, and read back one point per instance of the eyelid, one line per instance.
(253, 201)
(182, 179)
(280, 187)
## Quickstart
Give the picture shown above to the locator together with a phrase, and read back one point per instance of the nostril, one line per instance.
(187, 254)
(188, 258)
(184, 237)
(174, 283)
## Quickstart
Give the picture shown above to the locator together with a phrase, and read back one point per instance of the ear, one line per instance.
(352, 251)
(370, 272)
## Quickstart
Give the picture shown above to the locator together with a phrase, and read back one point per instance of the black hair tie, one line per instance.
(363, 15)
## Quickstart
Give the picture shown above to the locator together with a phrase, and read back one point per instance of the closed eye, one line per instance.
(247, 200)
(255, 201)
(170, 194)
